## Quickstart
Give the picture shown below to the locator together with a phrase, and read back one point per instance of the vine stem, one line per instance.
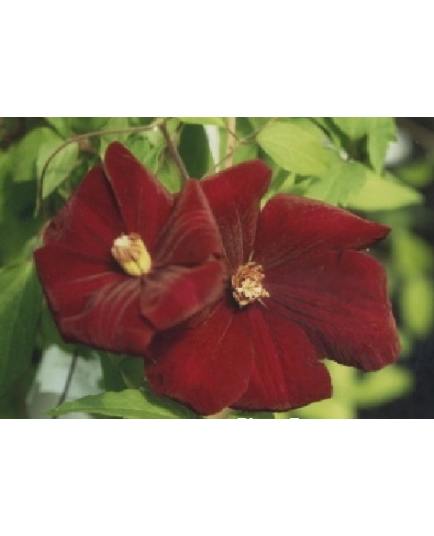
(174, 152)
(231, 141)
(76, 139)
(246, 139)
(71, 370)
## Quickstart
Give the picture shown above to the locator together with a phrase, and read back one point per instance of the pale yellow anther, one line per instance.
(131, 253)
(247, 284)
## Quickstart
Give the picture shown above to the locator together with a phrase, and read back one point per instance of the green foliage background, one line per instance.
(336, 160)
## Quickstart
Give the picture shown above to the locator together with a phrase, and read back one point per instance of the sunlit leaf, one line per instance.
(381, 132)
(382, 193)
(294, 148)
(338, 183)
(129, 404)
(354, 127)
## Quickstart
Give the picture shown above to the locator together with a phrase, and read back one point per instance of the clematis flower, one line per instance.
(124, 259)
(299, 289)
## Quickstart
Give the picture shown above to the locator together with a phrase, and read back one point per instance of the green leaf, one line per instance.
(382, 386)
(218, 121)
(60, 166)
(417, 306)
(60, 124)
(113, 123)
(129, 404)
(412, 255)
(194, 150)
(20, 305)
(382, 130)
(294, 148)
(148, 154)
(340, 181)
(238, 414)
(26, 152)
(354, 127)
(382, 193)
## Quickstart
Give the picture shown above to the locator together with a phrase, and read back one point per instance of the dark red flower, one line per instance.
(124, 258)
(298, 290)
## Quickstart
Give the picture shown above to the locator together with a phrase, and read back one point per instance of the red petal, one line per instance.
(291, 226)
(206, 367)
(190, 234)
(143, 202)
(340, 300)
(91, 302)
(287, 373)
(171, 295)
(234, 196)
(90, 220)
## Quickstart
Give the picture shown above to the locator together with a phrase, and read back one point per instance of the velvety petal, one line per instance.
(90, 220)
(340, 300)
(291, 226)
(190, 235)
(111, 320)
(143, 202)
(287, 373)
(207, 367)
(91, 302)
(172, 295)
(68, 276)
(234, 196)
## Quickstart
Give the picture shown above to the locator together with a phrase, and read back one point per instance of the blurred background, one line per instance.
(29, 389)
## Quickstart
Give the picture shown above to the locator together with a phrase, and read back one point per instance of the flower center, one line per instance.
(247, 284)
(131, 253)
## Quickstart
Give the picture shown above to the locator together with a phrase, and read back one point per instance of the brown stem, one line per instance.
(174, 152)
(240, 141)
(77, 139)
(68, 380)
(231, 140)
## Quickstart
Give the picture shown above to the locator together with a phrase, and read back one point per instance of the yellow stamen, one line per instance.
(247, 284)
(131, 253)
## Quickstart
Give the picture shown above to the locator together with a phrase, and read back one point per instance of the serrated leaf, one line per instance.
(129, 404)
(20, 305)
(60, 166)
(218, 121)
(382, 193)
(382, 131)
(294, 148)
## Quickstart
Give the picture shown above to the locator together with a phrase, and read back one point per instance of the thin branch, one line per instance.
(77, 139)
(231, 140)
(246, 139)
(68, 379)
(174, 152)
